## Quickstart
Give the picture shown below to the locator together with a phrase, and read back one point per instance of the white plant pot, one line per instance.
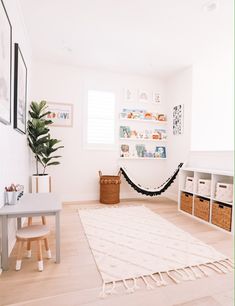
(41, 183)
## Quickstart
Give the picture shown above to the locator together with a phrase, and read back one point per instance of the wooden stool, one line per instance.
(30, 221)
(28, 234)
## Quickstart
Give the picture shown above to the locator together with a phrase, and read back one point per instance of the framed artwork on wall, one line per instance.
(61, 114)
(156, 97)
(129, 95)
(5, 65)
(143, 96)
(178, 119)
(20, 91)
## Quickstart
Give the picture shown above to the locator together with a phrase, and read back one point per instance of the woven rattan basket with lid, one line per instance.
(110, 188)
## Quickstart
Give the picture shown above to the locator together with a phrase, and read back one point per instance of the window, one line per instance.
(100, 118)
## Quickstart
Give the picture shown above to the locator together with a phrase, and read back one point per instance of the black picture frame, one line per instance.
(6, 65)
(20, 91)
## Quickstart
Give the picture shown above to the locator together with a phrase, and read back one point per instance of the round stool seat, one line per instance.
(32, 232)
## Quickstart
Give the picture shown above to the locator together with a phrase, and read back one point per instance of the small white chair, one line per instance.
(28, 234)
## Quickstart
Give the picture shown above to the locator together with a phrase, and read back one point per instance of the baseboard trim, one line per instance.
(172, 196)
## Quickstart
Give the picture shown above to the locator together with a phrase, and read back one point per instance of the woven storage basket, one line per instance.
(186, 202)
(222, 215)
(202, 208)
(110, 188)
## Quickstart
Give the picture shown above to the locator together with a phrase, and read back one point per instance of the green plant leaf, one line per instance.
(53, 163)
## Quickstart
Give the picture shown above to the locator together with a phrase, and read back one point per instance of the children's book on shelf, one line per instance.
(125, 150)
(150, 134)
(141, 114)
(125, 132)
(160, 152)
(159, 134)
(141, 150)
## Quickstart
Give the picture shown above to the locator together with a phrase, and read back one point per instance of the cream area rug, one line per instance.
(134, 245)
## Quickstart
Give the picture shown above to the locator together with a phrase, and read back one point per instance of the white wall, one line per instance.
(213, 83)
(14, 157)
(199, 150)
(213, 102)
(178, 91)
(77, 176)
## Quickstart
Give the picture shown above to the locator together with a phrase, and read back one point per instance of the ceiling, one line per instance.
(146, 37)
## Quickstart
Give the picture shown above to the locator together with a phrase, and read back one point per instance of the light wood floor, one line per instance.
(76, 280)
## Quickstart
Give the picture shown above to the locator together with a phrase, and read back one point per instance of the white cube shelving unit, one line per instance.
(215, 176)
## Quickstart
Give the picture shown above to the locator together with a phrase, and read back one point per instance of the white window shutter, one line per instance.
(101, 117)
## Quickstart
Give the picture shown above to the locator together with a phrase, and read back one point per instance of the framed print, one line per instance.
(178, 119)
(20, 91)
(129, 95)
(5, 65)
(156, 97)
(61, 114)
(143, 96)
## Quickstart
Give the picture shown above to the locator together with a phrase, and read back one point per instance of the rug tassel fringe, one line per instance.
(221, 267)
(182, 275)
(225, 266)
(195, 273)
(112, 289)
(156, 281)
(103, 294)
(190, 277)
(213, 267)
(163, 282)
(135, 284)
(148, 286)
(203, 271)
(128, 289)
(172, 277)
(229, 262)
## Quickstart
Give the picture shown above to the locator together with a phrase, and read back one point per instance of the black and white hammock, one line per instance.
(148, 191)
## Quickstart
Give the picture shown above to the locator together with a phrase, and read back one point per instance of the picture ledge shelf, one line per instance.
(143, 139)
(144, 158)
(144, 120)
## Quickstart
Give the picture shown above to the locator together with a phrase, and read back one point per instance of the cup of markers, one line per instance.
(13, 193)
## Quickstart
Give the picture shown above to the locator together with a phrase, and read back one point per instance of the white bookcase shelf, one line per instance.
(214, 176)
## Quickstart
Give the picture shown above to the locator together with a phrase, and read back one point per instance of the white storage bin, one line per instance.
(224, 192)
(204, 187)
(189, 184)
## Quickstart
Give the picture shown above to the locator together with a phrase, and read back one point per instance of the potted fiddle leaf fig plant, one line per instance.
(41, 145)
